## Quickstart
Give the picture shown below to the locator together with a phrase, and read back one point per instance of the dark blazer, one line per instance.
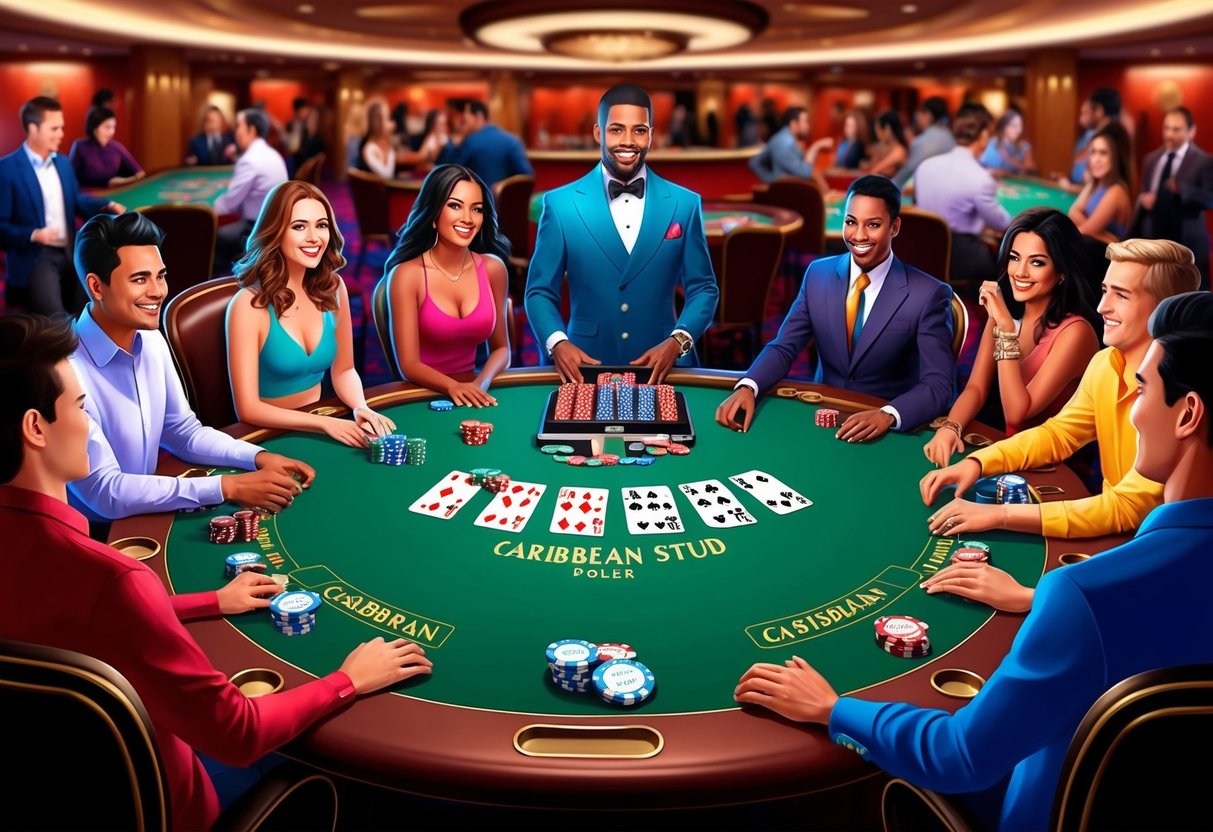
(200, 149)
(22, 212)
(904, 353)
(620, 304)
(1180, 217)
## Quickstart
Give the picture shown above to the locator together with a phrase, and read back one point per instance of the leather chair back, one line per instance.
(193, 325)
(189, 242)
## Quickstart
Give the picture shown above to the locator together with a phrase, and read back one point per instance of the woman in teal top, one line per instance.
(291, 321)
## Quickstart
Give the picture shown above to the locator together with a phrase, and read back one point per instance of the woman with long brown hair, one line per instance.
(291, 321)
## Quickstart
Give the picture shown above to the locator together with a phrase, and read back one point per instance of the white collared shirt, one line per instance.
(626, 210)
(53, 206)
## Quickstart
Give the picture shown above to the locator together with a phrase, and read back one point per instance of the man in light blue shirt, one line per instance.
(783, 154)
(258, 170)
(1086, 631)
(135, 399)
(934, 138)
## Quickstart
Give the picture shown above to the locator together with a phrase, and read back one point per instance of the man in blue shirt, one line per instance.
(784, 154)
(1085, 632)
(39, 202)
(490, 151)
(135, 399)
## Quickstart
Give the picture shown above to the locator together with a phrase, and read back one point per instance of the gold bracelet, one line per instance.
(1007, 355)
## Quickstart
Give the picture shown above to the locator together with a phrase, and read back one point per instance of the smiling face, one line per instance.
(624, 140)
(1158, 447)
(105, 131)
(46, 137)
(307, 235)
(868, 232)
(1126, 306)
(1030, 268)
(1099, 157)
(135, 293)
(462, 214)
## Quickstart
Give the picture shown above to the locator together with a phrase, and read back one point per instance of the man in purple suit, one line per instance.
(881, 327)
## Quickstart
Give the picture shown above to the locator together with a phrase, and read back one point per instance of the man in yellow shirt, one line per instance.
(1142, 273)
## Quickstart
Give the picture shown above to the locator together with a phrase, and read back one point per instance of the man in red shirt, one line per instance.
(113, 608)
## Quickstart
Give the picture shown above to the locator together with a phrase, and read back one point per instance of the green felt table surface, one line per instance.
(699, 606)
(195, 186)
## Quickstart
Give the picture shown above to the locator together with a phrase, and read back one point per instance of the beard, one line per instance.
(612, 166)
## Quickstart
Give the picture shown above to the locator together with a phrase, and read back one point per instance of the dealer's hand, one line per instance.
(661, 358)
(568, 359)
(865, 426)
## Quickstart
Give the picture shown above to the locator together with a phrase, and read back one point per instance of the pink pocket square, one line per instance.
(674, 231)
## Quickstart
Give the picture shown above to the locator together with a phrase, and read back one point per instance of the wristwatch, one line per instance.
(685, 343)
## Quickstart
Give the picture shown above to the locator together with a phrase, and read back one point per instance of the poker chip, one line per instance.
(628, 460)
(415, 451)
(826, 418)
(644, 460)
(624, 682)
(442, 404)
(576, 460)
(1011, 488)
(916, 651)
(593, 462)
(656, 450)
(678, 449)
(657, 442)
(974, 544)
(903, 630)
(565, 395)
(224, 529)
(238, 562)
(248, 525)
(635, 448)
(551, 449)
(667, 404)
(475, 432)
(614, 650)
(291, 606)
(571, 654)
(969, 554)
(392, 449)
(560, 457)
(496, 483)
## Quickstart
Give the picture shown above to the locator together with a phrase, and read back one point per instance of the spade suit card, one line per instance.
(650, 509)
(771, 492)
(716, 505)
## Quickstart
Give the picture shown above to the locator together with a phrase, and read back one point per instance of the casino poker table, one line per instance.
(176, 186)
(699, 604)
(1015, 194)
(721, 217)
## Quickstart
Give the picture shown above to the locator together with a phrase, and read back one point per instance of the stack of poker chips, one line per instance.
(490, 479)
(415, 453)
(624, 682)
(248, 525)
(583, 403)
(475, 432)
(239, 562)
(667, 405)
(572, 662)
(646, 403)
(566, 394)
(557, 450)
(617, 378)
(903, 636)
(442, 404)
(224, 529)
(604, 404)
(294, 612)
(625, 401)
(1011, 488)
(971, 552)
(826, 418)
(392, 449)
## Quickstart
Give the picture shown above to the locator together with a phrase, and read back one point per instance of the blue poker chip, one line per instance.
(627, 460)
(442, 404)
(572, 654)
(238, 559)
(643, 460)
(294, 603)
(624, 681)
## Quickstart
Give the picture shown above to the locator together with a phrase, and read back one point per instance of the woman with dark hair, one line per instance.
(291, 321)
(1038, 339)
(100, 160)
(891, 148)
(447, 287)
(1008, 152)
(1104, 206)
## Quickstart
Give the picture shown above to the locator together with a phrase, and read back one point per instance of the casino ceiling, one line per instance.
(584, 36)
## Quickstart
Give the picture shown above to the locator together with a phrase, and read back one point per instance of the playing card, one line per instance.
(772, 493)
(651, 509)
(580, 511)
(716, 505)
(446, 496)
(512, 508)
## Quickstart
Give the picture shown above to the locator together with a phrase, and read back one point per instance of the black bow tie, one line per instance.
(635, 188)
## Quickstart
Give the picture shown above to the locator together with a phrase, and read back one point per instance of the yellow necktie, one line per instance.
(854, 300)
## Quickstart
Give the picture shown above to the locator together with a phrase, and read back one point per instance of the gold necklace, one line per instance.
(451, 277)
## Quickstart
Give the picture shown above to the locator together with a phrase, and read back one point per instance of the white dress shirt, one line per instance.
(136, 407)
(258, 170)
(53, 207)
(876, 278)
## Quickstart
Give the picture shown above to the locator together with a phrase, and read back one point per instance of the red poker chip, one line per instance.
(576, 460)
(223, 521)
(658, 443)
(615, 650)
(900, 628)
(970, 555)
(678, 449)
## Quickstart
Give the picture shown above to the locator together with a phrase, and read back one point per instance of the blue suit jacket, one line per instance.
(904, 352)
(492, 152)
(620, 304)
(201, 149)
(22, 212)
(1092, 625)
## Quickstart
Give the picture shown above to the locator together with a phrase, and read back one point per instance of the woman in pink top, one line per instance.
(1038, 339)
(447, 288)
